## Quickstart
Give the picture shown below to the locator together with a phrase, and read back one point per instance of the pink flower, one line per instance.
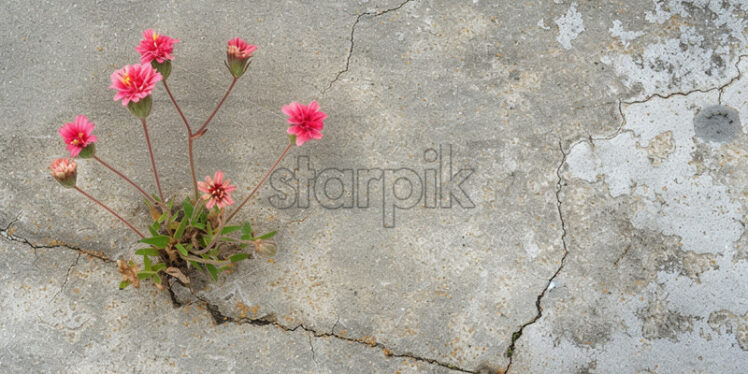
(217, 192)
(238, 54)
(239, 49)
(155, 47)
(77, 135)
(307, 121)
(134, 82)
(64, 170)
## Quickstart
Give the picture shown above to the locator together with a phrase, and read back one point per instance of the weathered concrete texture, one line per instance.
(607, 142)
(61, 315)
(655, 214)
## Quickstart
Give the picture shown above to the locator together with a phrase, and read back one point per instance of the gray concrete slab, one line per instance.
(602, 228)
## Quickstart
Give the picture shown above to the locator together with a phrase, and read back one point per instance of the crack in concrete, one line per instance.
(67, 275)
(517, 334)
(352, 39)
(7, 233)
(314, 356)
(720, 88)
(538, 301)
(270, 320)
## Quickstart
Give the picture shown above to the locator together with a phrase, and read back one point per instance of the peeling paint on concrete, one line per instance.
(617, 31)
(569, 25)
(673, 196)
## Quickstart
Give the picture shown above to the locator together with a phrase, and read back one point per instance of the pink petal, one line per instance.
(74, 150)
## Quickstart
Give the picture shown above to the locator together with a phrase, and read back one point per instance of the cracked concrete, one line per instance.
(371, 14)
(608, 149)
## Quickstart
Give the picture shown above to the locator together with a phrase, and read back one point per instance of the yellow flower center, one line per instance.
(79, 140)
(125, 79)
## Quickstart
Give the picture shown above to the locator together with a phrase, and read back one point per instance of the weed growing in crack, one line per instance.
(193, 232)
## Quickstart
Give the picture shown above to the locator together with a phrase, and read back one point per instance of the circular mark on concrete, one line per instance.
(430, 155)
(717, 123)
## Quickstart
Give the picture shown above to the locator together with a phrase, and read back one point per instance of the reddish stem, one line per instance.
(110, 211)
(192, 165)
(189, 138)
(125, 178)
(168, 91)
(199, 132)
(153, 162)
(280, 158)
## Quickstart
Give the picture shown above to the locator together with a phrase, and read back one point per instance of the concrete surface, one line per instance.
(607, 143)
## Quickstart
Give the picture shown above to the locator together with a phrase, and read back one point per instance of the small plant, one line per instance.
(193, 232)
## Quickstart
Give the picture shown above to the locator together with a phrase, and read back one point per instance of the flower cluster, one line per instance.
(194, 233)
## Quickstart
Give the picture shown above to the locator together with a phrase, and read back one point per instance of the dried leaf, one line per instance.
(265, 247)
(129, 272)
(176, 273)
(155, 212)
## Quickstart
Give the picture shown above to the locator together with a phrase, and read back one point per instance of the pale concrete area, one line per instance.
(601, 229)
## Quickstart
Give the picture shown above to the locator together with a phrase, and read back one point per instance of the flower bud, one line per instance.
(142, 108)
(238, 54)
(65, 171)
(162, 67)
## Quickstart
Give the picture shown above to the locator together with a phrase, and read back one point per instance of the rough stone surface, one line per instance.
(604, 229)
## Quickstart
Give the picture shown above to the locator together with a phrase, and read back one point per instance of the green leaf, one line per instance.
(145, 274)
(154, 229)
(148, 252)
(212, 270)
(209, 228)
(161, 218)
(180, 230)
(182, 250)
(230, 229)
(246, 231)
(158, 267)
(199, 226)
(188, 208)
(146, 263)
(156, 279)
(124, 284)
(267, 236)
(238, 257)
(160, 241)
